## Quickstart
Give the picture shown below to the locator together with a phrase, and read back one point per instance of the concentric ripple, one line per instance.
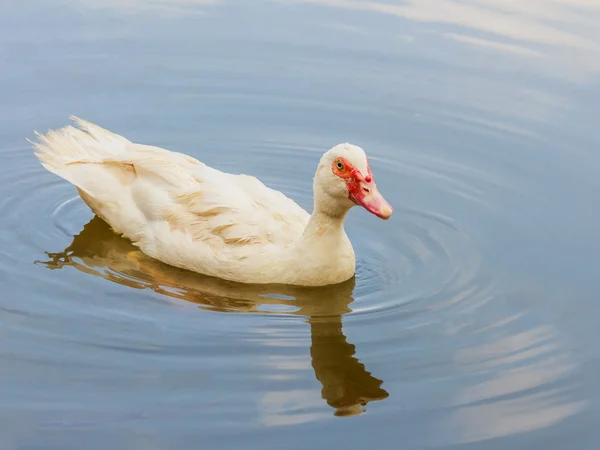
(32, 198)
(410, 258)
(413, 259)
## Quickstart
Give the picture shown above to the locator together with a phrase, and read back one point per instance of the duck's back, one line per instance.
(174, 207)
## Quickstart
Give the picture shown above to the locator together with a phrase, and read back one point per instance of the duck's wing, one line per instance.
(233, 210)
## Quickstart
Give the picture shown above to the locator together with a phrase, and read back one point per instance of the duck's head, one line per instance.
(344, 179)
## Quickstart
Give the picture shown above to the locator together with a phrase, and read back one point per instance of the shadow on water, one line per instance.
(346, 384)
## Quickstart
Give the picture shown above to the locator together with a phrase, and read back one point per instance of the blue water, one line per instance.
(472, 321)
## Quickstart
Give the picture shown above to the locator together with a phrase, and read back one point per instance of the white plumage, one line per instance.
(184, 213)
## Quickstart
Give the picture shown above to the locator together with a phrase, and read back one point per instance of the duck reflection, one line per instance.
(347, 385)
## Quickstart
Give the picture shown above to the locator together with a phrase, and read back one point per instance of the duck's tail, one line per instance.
(86, 143)
(88, 157)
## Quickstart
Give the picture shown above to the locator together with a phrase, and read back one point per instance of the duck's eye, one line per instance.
(340, 165)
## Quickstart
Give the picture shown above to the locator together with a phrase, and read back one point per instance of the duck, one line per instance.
(189, 215)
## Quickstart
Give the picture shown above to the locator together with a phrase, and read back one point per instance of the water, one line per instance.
(472, 321)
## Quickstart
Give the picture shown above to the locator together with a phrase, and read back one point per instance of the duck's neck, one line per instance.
(322, 225)
(327, 219)
(324, 254)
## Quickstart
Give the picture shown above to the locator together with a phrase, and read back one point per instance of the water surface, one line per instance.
(472, 321)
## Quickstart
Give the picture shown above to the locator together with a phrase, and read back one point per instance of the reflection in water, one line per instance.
(346, 382)
(347, 385)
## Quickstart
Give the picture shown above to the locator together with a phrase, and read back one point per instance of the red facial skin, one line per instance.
(362, 189)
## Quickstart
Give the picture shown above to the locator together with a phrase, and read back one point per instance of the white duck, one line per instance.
(186, 214)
